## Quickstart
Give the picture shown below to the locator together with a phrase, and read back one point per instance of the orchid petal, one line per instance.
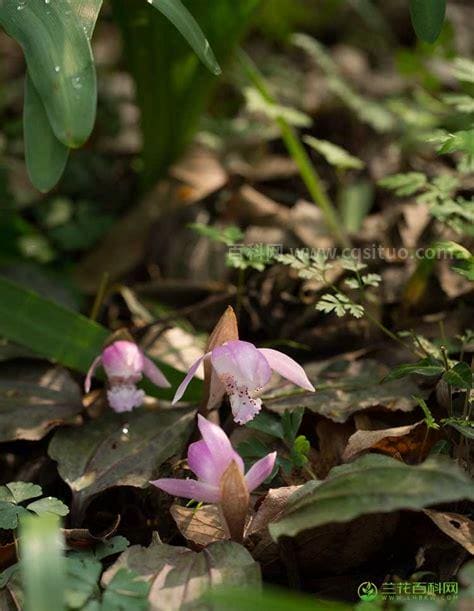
(260, 471)
(122, 359)
(96, 362)
(287, 367)
(189, 489)
(184, 384)
(201, 463)
(154, 373)
(217, 443)
(239, 363)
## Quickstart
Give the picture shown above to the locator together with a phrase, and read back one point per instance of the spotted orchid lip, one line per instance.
(244, 370)
(208, 459)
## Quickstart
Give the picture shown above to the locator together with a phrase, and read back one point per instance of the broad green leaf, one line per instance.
(334, 155)
(42, 563)
(48, 505)
(425, 367)
(267, 423)
(20, 491)
(9, 515)
(34, 399)
(459, 376)
(427, 17)
(45, 155)
(372, 484)
(357, 389)
(60, 63)
(62, 335)
(126, 590)
(82, 576)
(185, 23)
(118, 449)
(178, 576)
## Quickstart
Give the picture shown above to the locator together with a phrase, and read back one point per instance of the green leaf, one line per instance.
(118, 451)
(179, 574)
(271, 599)
(22, 491)
(82, 575)
(126, 590)
(49, 504)
(45, 155)
(35, 399)
(152, 47)
(425, 367)
(427, 17)
(335, 155)
(185, 23)
(42, 563)
(404, 184)
(372, 484)
(60, 63)
(267, 423)
(9, 514)
(459, 376)
(465, 427)
(62, 335)
(112, 546)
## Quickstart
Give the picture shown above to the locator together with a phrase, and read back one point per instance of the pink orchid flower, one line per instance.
(124, 363)
(208, 459)
(242, 371)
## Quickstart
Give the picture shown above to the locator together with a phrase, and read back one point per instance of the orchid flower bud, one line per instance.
(125, 364)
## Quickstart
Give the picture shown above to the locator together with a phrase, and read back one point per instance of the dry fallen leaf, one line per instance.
(458, 527)
(366, 440)
(201, 526)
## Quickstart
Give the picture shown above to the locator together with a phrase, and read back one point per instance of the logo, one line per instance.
(367, 591)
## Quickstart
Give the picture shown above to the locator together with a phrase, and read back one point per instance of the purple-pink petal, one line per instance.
(286, 367)
(184, 384)
(189, 489)
(201, 463)
(154, 373)
(260, 471)
(240, 364)
(122, 359)
(217, 442)
(96, 362)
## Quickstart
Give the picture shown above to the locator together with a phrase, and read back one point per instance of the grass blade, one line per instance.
(63, 336)
(185, 23)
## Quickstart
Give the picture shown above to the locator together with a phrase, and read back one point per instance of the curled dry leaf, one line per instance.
(201, 526)
(361, 440)
(226, 330)
(458, 527)
(235, 500)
